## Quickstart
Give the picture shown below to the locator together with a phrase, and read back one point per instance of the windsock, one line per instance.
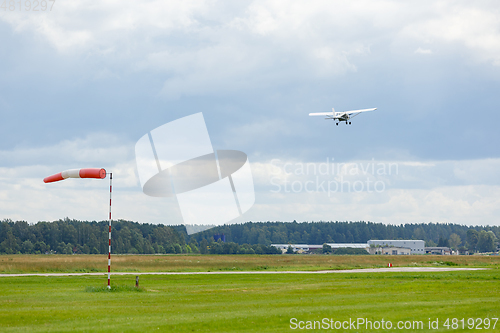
(77, 173)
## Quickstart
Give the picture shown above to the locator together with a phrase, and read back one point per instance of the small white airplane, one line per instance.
(341, 116)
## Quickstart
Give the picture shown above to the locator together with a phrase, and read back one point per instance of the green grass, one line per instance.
(112, 289)
(203, 263)
(242, 303)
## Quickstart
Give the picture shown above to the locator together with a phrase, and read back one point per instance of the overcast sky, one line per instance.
(82, 82)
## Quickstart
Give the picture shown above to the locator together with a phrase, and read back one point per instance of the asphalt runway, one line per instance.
(364, 270)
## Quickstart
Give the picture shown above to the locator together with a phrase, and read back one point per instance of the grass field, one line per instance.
(203, 263)
(244, 303)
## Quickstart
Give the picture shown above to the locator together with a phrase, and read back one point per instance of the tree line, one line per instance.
(72, 236)
(83, 237)
(471, 238)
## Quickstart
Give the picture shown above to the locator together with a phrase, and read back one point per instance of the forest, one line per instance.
(91, 237)
(474, 239)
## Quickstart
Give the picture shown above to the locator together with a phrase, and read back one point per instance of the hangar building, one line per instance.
(416, 246)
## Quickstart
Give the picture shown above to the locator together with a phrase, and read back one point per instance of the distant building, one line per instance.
(416, 246)
(301, 248)
(390, 250)
(441, 250)
(349, 245)
(396, 247)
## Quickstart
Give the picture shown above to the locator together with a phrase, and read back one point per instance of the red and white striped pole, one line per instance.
(109, 252)
(89, 173)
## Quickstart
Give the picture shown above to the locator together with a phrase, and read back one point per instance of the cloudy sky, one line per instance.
(83, 81)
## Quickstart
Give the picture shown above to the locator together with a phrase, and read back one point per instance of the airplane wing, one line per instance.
(321, 114)
(359, 111)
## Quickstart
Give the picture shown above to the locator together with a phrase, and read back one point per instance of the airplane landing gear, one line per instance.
(349, 123)
(337, 124)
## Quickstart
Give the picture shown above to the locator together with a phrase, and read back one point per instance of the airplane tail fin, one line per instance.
(334, 113)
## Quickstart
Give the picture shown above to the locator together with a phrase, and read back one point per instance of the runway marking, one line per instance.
(363, 270)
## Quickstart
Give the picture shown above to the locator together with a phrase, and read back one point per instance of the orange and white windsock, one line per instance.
(77, 173)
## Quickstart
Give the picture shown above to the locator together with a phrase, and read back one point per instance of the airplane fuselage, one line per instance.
(341, 116)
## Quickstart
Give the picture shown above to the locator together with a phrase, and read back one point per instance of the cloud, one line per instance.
(268, 63)
(394, 174)
(215, 47)
(407, 191)
(468, 205)
(93, 148)
(201, 48)
(31, 200)
(423, 51)
(24, 196)
(198, 39)
(473, 26)
(437, 191)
